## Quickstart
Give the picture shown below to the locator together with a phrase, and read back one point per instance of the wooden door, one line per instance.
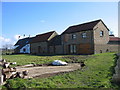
(85, 49)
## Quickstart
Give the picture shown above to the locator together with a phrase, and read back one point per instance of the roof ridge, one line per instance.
(82, 27)
(87, 22)
(25, 38)
(45, 33)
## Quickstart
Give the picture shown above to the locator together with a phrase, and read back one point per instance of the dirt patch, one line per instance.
(47, 71)
(51, 74)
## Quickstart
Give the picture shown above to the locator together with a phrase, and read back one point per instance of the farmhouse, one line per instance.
(87, 38)
(23, 45)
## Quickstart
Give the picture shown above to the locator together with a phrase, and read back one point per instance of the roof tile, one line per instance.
(42, 37)
(82, 27)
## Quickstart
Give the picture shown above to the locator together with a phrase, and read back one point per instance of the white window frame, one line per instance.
(74, 36)
(84, 35)
(73, 48)
(101, 33)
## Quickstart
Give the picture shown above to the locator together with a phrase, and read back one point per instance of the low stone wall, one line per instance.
(116, 76)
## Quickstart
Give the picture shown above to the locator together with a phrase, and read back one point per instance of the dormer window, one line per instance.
(73, 36)
(101, 33)
(84, 35)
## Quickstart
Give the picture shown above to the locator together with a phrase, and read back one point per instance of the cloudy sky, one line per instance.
(31, 18)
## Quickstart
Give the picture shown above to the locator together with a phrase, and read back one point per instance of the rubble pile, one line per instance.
(8, 72)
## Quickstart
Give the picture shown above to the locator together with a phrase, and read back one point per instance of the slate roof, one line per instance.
(23, 42)
(83, 27)
(55, 41)
(42, 37)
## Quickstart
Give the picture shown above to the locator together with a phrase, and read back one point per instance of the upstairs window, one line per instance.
(101, 33)
(26, 41)
(84, 35)
(73, 36)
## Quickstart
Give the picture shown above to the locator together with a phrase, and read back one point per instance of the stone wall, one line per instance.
(100, 42)
(114, 48)
(58, 49)
(103, 48)
(67, 38)
(39, 48)
(100, 39)
(79, 41)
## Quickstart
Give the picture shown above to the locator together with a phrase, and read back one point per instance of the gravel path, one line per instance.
(48, 70)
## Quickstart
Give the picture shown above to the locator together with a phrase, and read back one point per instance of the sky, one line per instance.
(32, 18)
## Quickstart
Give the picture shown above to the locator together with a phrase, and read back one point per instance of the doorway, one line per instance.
(72, 49)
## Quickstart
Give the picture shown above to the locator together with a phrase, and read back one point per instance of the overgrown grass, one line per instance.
(96, 74)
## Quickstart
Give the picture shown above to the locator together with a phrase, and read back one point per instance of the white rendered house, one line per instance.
(25, 49)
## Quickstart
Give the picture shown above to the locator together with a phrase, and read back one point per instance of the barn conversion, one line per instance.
(87, 38)
(23, 45)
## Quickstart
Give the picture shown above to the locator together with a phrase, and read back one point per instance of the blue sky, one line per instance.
(31, 18)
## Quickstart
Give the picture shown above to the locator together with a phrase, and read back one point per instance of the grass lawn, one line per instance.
(24, 59)
(96, 74)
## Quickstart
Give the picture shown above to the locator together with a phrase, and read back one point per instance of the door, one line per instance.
(85, 49)
(39, 49)
(72, 49)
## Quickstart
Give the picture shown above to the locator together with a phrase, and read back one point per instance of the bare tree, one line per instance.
(7, 49)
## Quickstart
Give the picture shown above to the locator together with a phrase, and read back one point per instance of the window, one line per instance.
(73, 36)
(39, 49)
(26, 41)
(72, 48)
(24, 50)
(101, 33)
(84, 35)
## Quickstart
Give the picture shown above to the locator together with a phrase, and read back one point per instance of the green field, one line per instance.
(24, 59)
(96, 74)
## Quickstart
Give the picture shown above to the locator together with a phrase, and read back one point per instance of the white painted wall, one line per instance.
(27, 49)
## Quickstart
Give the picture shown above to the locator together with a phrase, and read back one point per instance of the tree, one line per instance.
(7, 49)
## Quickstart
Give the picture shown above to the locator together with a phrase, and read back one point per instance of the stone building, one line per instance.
(114, 44)
(39, 44)
(87, 38)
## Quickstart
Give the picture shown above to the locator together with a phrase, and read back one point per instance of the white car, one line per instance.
(59, 63)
